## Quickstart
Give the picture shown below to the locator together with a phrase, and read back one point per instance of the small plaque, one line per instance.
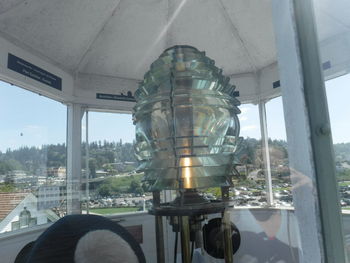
(30, 70)
(121, 97)
(326, 65)
(276, 84)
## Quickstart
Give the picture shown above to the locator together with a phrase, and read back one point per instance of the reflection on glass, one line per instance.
(24, 218)
(186, 171)
(269, 234)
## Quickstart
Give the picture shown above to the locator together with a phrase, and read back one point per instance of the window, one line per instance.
(249, 187)
(280, 173)
(333, 34)
(339, 111)
(115, 186)
(32, 159)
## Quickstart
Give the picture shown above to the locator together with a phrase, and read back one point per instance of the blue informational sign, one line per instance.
(276, 84)
(28, 69)
(122, 97)
(326, 65)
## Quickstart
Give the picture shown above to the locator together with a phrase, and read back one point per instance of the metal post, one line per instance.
(310, 152)
(226, 224)
(226, 227)
(160, 239)
(265, 152)
(74, 158)
(159, 230)
(185, 239)
(87, 157)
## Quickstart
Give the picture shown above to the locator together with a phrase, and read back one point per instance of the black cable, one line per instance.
(175, 247)
(192, 249)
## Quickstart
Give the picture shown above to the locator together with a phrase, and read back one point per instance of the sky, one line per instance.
(110, 127)
(28, 119)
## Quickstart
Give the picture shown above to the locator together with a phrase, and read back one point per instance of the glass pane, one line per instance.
(281, 182)
(84, 164)
(339, 112)
(333, 25)
(114, 184)
(250, 188)
(32, 159)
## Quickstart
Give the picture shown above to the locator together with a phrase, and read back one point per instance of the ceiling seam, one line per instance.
(331, 38)
(267, 66)
(334, 18)
(237, 35)
(107, 76)
(90, 45)
(241, 75)
(167, 40)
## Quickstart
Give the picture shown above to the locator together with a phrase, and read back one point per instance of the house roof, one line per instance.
(9, 201)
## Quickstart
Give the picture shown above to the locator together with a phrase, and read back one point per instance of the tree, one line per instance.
(104, 190)
(135, 187)
(4, 167)
(108, 167)
(92, 168)
(9, 179)
(343, 175)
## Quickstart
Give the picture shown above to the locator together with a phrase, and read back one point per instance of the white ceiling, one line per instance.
(333, 18)
(121, 38)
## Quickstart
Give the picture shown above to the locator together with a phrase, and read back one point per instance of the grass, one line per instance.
(114, 210)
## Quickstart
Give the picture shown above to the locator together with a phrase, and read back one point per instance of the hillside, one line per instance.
(108, 156)
(32, 159)
(342, 152)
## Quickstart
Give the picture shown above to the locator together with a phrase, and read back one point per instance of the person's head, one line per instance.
(104, 246)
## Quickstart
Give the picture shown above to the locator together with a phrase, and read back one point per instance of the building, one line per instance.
(20, 210)
(57, 172)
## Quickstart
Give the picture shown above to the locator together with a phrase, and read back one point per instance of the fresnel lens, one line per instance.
(186, 135)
